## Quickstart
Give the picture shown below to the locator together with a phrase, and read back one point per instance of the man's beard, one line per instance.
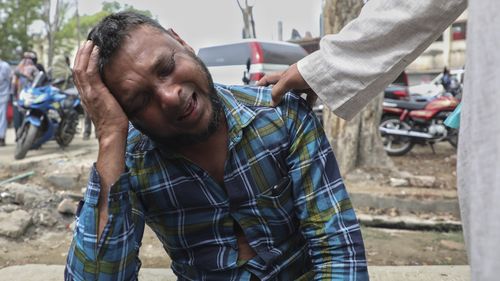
(182, 140)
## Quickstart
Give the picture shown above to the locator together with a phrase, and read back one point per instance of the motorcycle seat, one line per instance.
(406, 104)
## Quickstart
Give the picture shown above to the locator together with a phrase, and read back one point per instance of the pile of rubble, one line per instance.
(48, 200)
(25, 205)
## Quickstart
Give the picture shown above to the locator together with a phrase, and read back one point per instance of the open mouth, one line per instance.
(191, 106)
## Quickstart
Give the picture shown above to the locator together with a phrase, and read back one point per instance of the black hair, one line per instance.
(109, 33)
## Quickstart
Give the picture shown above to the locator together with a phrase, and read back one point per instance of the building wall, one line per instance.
(449, 53)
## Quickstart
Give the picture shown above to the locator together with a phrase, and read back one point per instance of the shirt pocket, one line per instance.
(276, 207)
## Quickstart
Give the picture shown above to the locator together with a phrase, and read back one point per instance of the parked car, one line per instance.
(434, 87)
(246, 61)
(398, 90)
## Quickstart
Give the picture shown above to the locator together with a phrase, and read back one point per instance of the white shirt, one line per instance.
(5, 73)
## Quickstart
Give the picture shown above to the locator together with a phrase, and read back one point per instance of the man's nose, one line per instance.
(169, 96)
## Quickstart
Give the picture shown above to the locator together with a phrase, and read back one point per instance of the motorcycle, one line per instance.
(49, 113)
(406, 123)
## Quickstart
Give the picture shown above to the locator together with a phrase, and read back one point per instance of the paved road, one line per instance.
(39, 272)
(48, 150)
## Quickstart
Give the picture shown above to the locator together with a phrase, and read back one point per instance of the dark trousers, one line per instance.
(18, 117)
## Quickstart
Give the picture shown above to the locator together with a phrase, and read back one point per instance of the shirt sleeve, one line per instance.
(115, 255)
(354, 65)
(322, 204)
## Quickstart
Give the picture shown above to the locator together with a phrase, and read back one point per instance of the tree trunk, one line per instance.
(356, 143)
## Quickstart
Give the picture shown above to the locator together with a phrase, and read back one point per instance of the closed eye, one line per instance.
(138, 104)
(166, 66)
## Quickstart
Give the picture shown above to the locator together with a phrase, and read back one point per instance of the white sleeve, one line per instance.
(356, 64)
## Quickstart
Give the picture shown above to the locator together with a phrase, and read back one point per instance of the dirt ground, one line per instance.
(384, 246)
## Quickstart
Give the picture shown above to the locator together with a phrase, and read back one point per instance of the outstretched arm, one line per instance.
(110, 122)
(354, 65)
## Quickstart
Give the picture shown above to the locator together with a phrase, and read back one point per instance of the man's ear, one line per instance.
(179, 39)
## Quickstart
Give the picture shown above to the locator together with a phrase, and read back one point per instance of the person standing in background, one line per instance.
(87, 126)
(355, 65)
(25, 72)
(5, 77)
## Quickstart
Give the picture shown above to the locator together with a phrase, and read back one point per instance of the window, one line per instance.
(232, 54)
(282, 54)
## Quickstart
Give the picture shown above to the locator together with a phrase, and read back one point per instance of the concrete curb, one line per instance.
(408, 222)
(406, 205)
(42, 272)
(30, 162)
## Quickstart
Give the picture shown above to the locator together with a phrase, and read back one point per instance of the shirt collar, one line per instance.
(238, 115)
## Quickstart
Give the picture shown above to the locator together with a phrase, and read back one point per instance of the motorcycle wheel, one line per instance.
(452, 137)
(67, 129)
(395, 145)
(25, 140)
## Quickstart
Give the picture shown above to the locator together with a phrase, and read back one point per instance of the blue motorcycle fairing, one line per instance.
(45, 107)
(49, 132)
(48, 135)
(76, 103)
(35, 120)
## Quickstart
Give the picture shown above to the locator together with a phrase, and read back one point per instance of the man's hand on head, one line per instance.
(110, 122)
(104, 110)
(288, 80)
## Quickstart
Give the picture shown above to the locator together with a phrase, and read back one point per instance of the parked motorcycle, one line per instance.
(406, 123)
(49, 114)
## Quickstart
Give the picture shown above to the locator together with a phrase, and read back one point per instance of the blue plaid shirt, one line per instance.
(281, 185)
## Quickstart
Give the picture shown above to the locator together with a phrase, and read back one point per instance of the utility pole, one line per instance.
(249, 23)
(447, 41)
(280, 30)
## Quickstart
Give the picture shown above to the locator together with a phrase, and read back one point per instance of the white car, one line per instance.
(434, 87)
(246, 61)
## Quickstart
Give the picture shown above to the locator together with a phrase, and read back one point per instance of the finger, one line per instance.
(93, 66)
(278, 91)
(94, 72)
(79, 55)
(85, 55)
(76, 64)
(270, 78)
(81, 63)
(263, 81)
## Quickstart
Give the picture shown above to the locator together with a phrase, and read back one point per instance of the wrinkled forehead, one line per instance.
(133, 66)
(147, 31)
(146, 37)
(142, 45)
